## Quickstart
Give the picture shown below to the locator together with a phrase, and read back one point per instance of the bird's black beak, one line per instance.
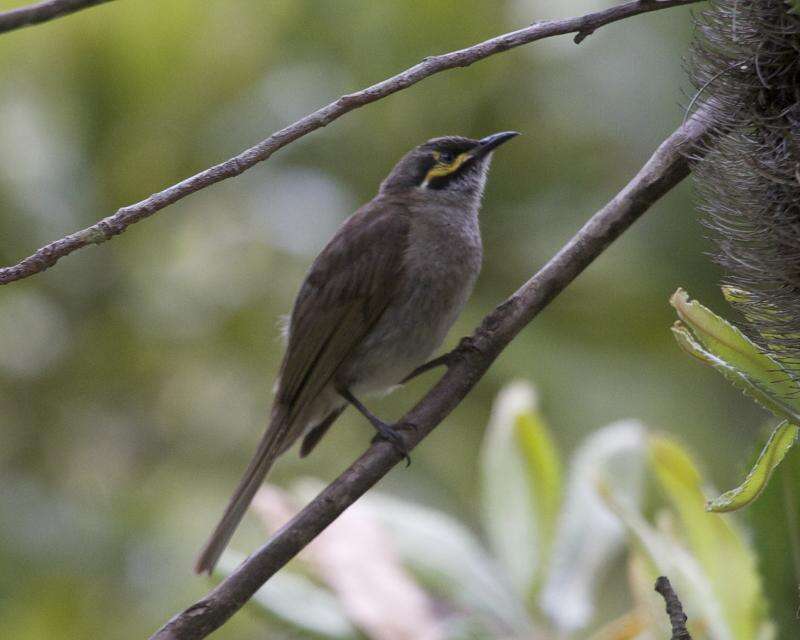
(490, 143)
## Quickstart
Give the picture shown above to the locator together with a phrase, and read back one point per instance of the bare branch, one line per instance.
(42, 12)
(118, 222)
(666, 168)
(677, 618)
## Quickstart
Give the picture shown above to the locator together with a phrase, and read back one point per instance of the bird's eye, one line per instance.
(445, 157)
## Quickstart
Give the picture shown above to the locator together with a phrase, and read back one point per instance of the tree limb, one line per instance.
(42, 12)
(117, 223)
(677, 618)
(666, 168)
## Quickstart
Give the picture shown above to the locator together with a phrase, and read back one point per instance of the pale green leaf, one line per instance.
(729, 344)
(513, 524)
(735, 295)
(672, 559)
(588, 535)
(779, 443)
(544, 470)
(722, 346)
(641, 572)
(716, 542)
(780, 405)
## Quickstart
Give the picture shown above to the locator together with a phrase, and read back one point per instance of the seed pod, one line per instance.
(745, 63)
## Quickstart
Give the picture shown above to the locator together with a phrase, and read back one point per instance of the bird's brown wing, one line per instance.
(347, 290)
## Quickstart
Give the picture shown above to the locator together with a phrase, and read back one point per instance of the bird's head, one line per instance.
(450, 164)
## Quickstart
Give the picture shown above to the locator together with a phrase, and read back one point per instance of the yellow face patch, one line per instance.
(441, 169)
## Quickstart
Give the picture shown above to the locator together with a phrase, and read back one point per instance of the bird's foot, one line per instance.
(387, 432)
(391, 433)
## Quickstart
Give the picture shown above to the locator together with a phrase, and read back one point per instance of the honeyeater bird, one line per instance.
(378, 300)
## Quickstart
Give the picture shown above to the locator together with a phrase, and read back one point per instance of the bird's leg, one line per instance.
(442, 361)
(385, 431)
(446, 360)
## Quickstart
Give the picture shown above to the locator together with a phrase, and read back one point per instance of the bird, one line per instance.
(376, 303)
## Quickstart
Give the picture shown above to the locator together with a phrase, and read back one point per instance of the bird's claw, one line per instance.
(390, 433)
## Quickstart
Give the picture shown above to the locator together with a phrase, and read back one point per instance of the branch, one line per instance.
(117, 223)
(666, 168)
(42, 12)
(677, 618)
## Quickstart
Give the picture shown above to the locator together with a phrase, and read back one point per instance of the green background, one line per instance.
(135, 377)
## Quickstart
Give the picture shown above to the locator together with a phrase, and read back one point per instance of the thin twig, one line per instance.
(666, 168)
(677, 618)
(42, 12)
(118, 222)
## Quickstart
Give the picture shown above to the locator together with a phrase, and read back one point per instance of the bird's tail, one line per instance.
(271, 445)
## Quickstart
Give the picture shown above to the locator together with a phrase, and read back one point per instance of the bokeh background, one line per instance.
(135, 377)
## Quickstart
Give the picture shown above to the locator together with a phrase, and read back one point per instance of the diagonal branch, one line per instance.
(117, 223)
(42, 12)
(666, 168)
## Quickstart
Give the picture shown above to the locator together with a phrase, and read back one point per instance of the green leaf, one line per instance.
(727, 343)
(520, 484)
(588, 534)
(714, 541)
(735, 295)
(778, 445)
(740, 380)
(722, 346)
(669, 557)
(544, 470)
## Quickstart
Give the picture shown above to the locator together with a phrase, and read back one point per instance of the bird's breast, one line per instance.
(442, 261)
(440, 266)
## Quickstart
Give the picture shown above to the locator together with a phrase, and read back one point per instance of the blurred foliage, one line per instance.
(135, 377)
(371, 563)
(773, 519)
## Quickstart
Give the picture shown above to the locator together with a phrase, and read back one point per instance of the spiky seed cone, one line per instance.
(745, 62)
